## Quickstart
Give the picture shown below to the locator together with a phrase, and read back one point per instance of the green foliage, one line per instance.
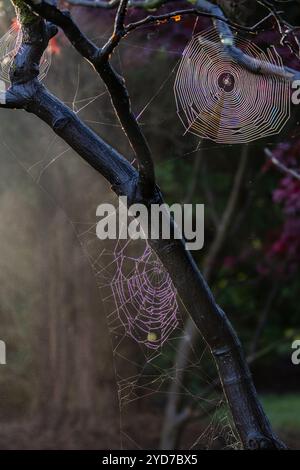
(283, 411)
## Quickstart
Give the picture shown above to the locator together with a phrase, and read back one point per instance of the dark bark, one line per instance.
(175, 418)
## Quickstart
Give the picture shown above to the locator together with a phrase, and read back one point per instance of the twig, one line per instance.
(281, 166)
(246, 61)
(176, 16)
(95, 3)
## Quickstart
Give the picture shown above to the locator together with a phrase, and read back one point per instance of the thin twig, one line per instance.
(283, 168)
(95, 3)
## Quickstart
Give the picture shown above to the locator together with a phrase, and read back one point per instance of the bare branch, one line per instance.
(143, 4)
(176, 16)
(120, 16)
(95, 3)
(281, 166)
(115, 84)
(205, 8)
(228, 40)
(148, 4)
(171, 430)
(10, 100)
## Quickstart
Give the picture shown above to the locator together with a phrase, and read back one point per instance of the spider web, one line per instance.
(144, 348)
(145, 317)
(220, 100)
(144, 296)
(9, 46)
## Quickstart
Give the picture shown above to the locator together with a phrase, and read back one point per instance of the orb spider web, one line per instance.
(220, 100)
(144, 296)
(9, 46)
(146, 323)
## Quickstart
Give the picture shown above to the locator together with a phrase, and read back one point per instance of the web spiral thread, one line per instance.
(9, 46)
(220, 100)
(145, 298)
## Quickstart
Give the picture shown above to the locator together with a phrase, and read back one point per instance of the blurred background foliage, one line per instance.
(60, 383)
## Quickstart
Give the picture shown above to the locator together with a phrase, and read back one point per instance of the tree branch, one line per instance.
(228, 40)
(143, 4)
(251, 422)
(115, 84)
(170, 433)
(120, 16)
(176, 16)
(283, 168)
(95, 3)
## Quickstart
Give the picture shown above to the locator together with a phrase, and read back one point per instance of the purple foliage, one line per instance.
(285, 246)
